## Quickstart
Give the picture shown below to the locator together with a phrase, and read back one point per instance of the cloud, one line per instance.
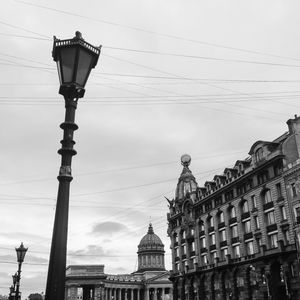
(108, 228)
(89, 250)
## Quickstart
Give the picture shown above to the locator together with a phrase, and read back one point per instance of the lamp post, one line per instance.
(75, 58)
(21, 251)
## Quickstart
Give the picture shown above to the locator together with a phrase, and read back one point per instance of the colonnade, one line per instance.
(128, 293)
(84, 292)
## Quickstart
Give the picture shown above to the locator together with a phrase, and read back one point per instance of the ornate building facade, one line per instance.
(237, 236)
(149, 282)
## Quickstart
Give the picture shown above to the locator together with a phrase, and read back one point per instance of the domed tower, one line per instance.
(151, 252)
(187, 183)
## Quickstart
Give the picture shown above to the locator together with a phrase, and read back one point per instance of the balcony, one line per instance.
(248, 236)
(203, 250)
(212, 247)
(177, 258)
(271, 227)
(182, 241)
(223, 244)
(211, 229)
(280, 199)
(268, 205)
(221, 225)
(245, 215)
(183, 256)
(232, 220)
(235, 240)
(192, 253)
(175, 244)
(202, 232)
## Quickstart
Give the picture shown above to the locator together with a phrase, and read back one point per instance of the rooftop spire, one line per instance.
(150, 229)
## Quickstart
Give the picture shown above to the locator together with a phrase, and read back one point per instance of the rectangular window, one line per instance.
(234, 231)
(253, 199)
(214, 255)
(270, 216)
(278, 190)
(286, 236)
(273, 239)
(193, 246)
(222, 235)
(256, 222)
(184, 249)
(204, 259)
(247, 226)
(212, 239)
(249, 248)
(224, 252)
(176, 252)
(236, 251)
(283, 212)
(294, 191)
(202, 242)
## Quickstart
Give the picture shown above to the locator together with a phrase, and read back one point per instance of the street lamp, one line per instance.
(75, 58)
(21, 251)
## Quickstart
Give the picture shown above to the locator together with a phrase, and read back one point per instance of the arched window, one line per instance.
(221, 217)
(245, 206)
(232, 212)
(210, 221)
(266, 196)
(258, 154)
(201, 226)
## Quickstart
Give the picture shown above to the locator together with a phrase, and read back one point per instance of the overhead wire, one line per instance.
(154, 32)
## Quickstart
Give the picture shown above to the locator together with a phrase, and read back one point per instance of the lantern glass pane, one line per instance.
(68, 56)
(84, 66)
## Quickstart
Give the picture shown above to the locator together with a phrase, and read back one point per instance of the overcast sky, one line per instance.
(207, 78)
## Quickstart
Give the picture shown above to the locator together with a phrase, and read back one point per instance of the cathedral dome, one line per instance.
(150, 241)
(151, 252)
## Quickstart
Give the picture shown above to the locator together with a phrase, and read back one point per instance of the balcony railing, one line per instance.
(268, 205)
(245, 215)
(271, 227)
(221, 225)
(223, 243)
(211, 229)
(235, 240)
(248, 235)
(232, 220)
(212, 247)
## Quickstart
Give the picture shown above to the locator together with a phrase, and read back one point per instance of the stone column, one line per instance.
(120, 294)
(138, 292)
(125, 294)
(146, 293)
(97, 294)
(71, 292)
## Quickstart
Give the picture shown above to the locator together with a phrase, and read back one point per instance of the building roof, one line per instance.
(150, 241)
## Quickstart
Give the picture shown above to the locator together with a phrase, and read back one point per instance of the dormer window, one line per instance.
(240, 167)
(259, 154)
(228, 175)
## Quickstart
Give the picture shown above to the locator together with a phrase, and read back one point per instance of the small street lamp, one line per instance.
(21, 252)
(11, 295)
(75, 58)
(14, 277)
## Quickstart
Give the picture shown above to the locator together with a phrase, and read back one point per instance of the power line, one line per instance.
(201, 57)
(156, 33)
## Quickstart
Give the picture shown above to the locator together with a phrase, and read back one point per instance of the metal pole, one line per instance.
(55, 289)
(18, 281)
